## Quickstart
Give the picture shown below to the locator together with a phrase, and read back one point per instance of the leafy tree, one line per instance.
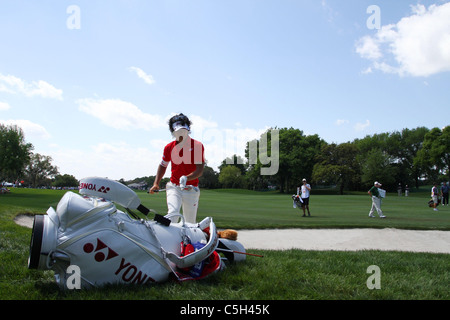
(209, 178)
(377, 167)
(39, 170)
(14, 152)
(231, 177)
(399, 149)
(296, 155)
(337, 164)
(377, 141)
(434, 155)
(255, 180)
(65, 180)
(236, 161)
(404, 147)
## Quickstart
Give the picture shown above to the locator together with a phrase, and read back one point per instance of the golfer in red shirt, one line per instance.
(186, 157)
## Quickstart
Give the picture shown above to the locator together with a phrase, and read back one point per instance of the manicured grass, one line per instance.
(290, 275)
(242, 209)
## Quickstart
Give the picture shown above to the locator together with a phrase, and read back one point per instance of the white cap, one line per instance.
(179, 125)
(377, 183)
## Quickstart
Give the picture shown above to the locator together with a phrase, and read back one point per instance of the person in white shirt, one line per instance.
(306, 188)
(435, 196)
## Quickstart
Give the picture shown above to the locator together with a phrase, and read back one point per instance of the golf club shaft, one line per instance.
(156, 191)
(187, 187)
(246, 253)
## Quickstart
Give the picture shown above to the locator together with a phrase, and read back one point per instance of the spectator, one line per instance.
(444, 193)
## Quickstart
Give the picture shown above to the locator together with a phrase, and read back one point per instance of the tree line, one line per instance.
(19, 165)
(406, 157)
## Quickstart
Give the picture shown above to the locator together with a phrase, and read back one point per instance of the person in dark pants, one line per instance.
(306, 188)
(444, 193)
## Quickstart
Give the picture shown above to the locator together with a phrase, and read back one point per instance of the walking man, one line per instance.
(376, 200)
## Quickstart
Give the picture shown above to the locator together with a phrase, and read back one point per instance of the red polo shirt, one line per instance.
(183, 159)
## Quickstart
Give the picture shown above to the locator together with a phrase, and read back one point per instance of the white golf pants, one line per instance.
(376, 205)
(185, 199)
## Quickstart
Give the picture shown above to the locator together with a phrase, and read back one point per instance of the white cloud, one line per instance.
(362, 126)
(120, 114)
(340, 122)
(200, 124)
(14, 85)
(368, 48)
(329, 12)
(417, 45)
(4, 106)
(144, 76)
(107, 160)
(30, 129)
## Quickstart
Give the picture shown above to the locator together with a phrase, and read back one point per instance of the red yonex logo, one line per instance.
(93, 187)
(126, 270)
(100, 255)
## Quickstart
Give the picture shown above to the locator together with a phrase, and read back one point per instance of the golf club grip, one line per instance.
(161, 219)
(143, 209)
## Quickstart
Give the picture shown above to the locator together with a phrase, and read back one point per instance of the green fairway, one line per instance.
(292, 274)
(243, 209)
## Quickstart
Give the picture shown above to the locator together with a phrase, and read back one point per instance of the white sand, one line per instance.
(347, 239)
(24, 220)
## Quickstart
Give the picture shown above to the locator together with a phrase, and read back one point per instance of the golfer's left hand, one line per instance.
(183, 181)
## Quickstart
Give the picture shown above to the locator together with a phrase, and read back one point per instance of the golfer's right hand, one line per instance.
(153, 189)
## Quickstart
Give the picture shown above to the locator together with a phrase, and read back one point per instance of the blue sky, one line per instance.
(93, 83)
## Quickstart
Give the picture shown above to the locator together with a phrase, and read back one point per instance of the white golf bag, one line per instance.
(297, 201)
(89, 240)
